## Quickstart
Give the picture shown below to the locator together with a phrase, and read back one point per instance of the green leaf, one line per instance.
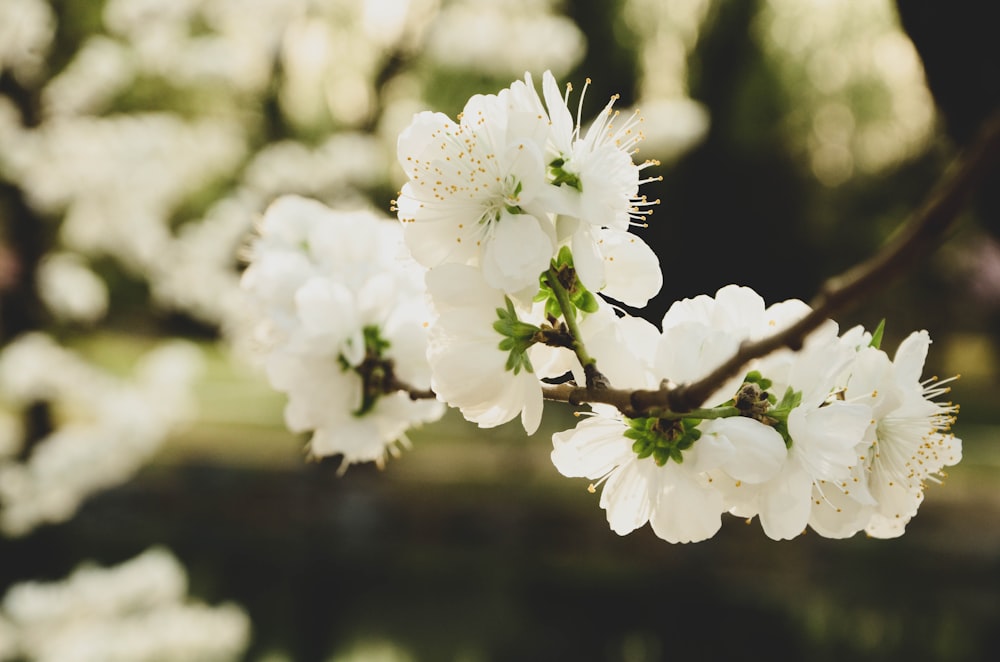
(552, 308)
(586, 302)
(780, 412)
(516, 338)
(564, 258)
(790, 400)
(877, 335)
(754, 377)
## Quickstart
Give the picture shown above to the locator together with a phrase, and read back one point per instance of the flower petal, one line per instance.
(517, 253)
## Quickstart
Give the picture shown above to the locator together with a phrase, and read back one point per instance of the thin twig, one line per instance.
(918, 235)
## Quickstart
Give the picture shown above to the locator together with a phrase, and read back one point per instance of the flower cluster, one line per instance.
(519, 215)
(837, 437)
(518, 222)
(342, 325)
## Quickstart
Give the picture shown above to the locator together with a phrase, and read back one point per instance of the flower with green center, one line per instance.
(594, 169)
(660, 470)
(666, 473)
(478, 350)
(663, 440)
(341, 321)
(820, 434)
(594, 189)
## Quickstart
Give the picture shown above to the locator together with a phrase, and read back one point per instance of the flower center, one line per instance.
(508, 199)
(662, 439)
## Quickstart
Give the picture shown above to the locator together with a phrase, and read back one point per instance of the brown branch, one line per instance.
(918, 235)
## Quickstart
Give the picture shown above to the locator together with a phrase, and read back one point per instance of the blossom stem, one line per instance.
(916, 237)
(595, 380)
(379, 378)
(704, 414)
(413, 392)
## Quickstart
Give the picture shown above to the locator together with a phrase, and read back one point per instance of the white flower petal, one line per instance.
(592, 449)
(784, 503)
(520, 250)
(758, 450)
(628, 495)
(687, 510)
(631, 268)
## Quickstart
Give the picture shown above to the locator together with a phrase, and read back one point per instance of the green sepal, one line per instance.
(564, 258)
(580, 298)
(663, 440)
(517, 337)
(779, 413)
(585, 301)
(560, 176)
(375, 344)
(754, 377)
(552, 308)
(790, 400)
(642, 450)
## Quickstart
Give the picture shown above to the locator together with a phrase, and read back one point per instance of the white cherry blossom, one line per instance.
(823, 433)
(339, 305)
(908, 442)
(676, 493)
(472, 195)
(469, 371)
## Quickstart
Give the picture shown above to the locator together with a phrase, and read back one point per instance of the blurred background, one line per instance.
(141, 139)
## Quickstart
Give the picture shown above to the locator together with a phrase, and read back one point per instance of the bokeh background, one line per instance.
(141, 139)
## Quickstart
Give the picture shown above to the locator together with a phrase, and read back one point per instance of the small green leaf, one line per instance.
(790, 400)
(754, 377)
(586, 302)
(564, 258)
(877, 335)
(559, 175)
(516, 338)
(552, 308)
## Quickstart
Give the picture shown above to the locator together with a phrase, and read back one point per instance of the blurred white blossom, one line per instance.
(137, 611)
(505, 38)
(104, 428)
(70, 289)
(26, 31)
(101, 69)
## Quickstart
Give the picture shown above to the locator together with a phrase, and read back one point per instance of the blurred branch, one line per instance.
(916, 237)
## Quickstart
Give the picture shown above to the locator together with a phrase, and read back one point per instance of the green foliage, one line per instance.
(559, 176)
(518, 336)
(580, 298)
(779, 413)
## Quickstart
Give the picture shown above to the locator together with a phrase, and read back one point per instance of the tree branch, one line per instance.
(918, 235)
